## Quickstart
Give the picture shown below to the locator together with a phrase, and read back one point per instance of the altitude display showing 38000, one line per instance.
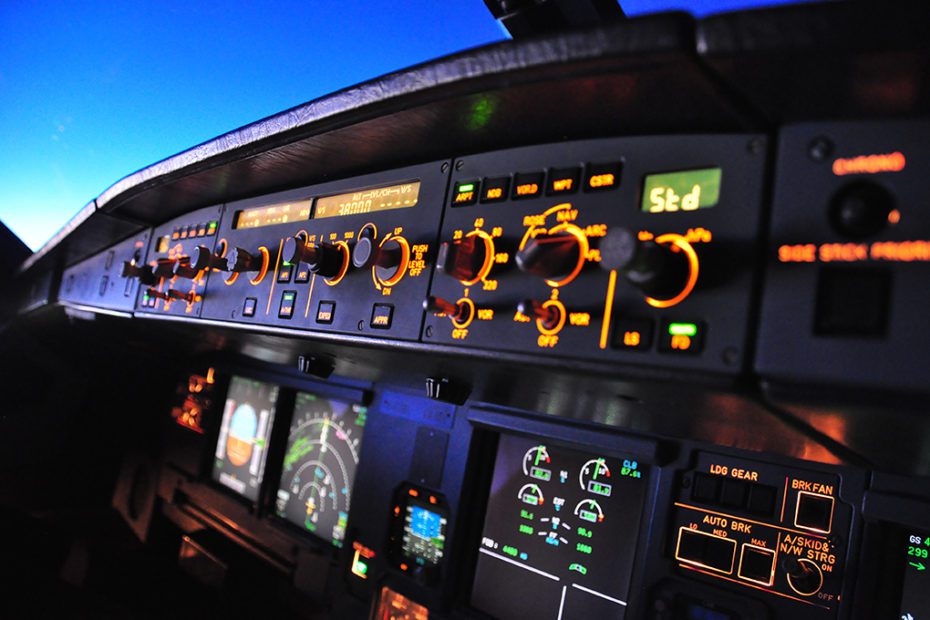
(560, 533)
(319, 465)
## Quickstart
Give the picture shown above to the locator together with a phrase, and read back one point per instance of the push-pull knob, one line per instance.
(660, 270)
(204, 258)
(241, 261)
(325, 259)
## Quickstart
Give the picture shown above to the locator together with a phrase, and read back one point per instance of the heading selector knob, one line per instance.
(469, 259)
(326, 259)
(132, 270)
(660, 270)
(555, 256)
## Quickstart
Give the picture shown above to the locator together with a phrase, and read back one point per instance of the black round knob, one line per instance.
(550, 315)
(240, 261)
(861, 209)
(465, 259)
(325, 259)
(388, 258)
(550, 256)
(204, 258)
(364, 253)
(657, 270)
(296, 250)
(142, 272)
(164, 268)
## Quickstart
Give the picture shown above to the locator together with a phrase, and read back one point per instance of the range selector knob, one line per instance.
(241, 261)
(204, 258)
(326, 259)
(556, 256)
(664, 269)
(142, 272)
(468, 259)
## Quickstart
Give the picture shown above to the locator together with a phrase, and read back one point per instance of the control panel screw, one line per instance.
(835, 541)
(459, 164)
(361, 325)
(754, 146)
(429, 331)
(686, 482)
(820, 148)
(445, 166)
(730, 356)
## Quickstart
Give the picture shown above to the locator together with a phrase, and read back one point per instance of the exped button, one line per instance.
(325, 312)
(286, 309)
(381, 315)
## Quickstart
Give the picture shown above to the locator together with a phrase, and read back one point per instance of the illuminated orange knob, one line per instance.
(658, 270)
(468, 259)
(552, 256)
(204, 258)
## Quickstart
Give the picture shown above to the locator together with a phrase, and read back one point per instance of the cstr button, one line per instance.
(381, 315)
(600, 177)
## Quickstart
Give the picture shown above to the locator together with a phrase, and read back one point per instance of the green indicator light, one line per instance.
(526, 529)
(289, 296)
(682, 329)
(468, 187)
(511, 551)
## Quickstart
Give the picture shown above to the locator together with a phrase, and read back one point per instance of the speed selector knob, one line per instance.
(240, 261)
(469, 259)
(555, 256)
(204, 258)
(663, 269)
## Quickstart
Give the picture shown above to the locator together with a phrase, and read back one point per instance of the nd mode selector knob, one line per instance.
(556, 256)
(468, 259)
(665, 269)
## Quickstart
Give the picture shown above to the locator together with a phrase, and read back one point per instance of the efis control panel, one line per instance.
(637, 250)
(351, 256)
(175, 277)
(108, 279)
(781, 531)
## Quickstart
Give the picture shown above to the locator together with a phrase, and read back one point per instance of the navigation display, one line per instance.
(242, 447)
(399, 196)
(319, 467)
(560, 533)
(915, 595)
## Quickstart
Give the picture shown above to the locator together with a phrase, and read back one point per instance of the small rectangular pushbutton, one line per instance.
(381, 315)
(761, 499)
(496, 190)
(734, 493)
(302, 274)
(814, 512)
(705, 550)
(681, 337)
(563, 181)
(325, 312)
(528, 185)
(757, 564)
(286, 309)
(466, 193)
(284, 273)
(600, 177)
(705, 488)
(248, 308)
(633, 334)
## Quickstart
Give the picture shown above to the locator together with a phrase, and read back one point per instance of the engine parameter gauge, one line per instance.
(535, 463)
(594, 477)
(323, 444)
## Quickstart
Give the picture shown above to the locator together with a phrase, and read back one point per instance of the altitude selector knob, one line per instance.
(654, 268)
(552, 256)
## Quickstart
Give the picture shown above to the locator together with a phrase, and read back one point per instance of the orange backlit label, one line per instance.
(527, 189)
(869, 164)
(395, 606)
(632, 339)
(493, 193)
(681, 343)
(602, 180)
(464, 196)
(887, 251)
(562, 185)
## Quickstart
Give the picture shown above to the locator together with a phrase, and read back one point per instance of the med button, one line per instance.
(381, 316)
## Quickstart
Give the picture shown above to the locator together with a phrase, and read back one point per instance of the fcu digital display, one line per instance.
(560, 533)
(400, 196)
(915, 594)
(319, 466)
(242, 447)
(273, 214)
(688, 190)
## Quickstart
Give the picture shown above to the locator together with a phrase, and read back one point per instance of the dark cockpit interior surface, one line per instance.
(623, 317)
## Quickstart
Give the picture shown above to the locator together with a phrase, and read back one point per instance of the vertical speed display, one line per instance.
(319, 466)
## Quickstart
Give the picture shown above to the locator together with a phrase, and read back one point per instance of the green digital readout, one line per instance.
(688, 190)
